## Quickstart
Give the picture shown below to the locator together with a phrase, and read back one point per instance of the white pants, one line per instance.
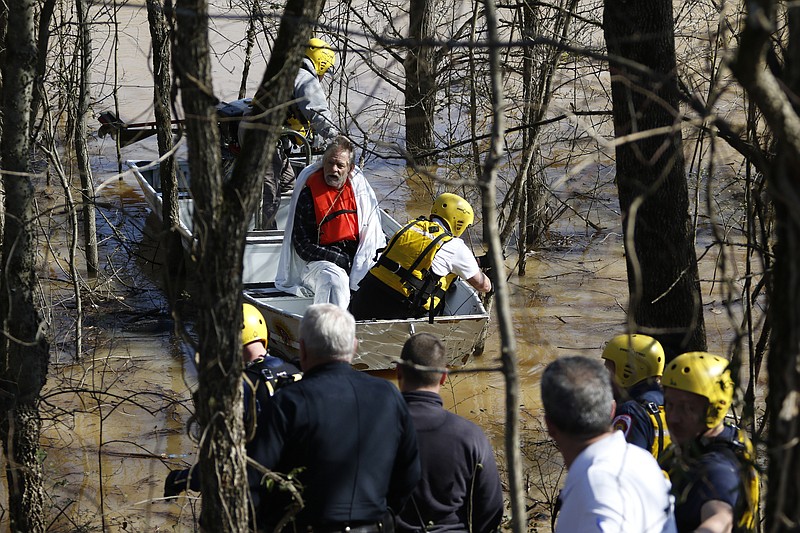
(329, 283)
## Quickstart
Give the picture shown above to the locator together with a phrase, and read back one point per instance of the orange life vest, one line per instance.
(335, 210)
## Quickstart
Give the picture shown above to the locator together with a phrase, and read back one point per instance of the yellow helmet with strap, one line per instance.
(254, 327)
(635, 357)
(321, 54)
(454, 210)
(704, 374)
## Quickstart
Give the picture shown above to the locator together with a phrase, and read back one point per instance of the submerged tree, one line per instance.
(223, 207)
(24, 349)
(663, 279)
(777, 101)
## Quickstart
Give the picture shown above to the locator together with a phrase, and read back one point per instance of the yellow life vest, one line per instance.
(659, 421)
(405, 263)
(745, 514)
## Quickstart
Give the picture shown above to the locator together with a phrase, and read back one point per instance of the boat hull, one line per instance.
(379, 341)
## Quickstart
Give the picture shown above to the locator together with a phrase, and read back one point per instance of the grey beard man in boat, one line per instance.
(334, 228)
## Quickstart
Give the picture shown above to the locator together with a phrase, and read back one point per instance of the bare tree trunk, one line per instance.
(175, 271)
(420, 88)
(222, 209)
(24, 350)
(218, 402)
(663, 281)
(43, 41)
(781, 116)
(255, 12)
(81, 149)
(508, 344)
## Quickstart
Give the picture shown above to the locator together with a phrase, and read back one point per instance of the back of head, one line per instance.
(340, 143)
(321, 54)
(254, 327)
(706, 375)
(577, 396)
(328, 333)
(635, 357)
(423, 349)
(455, 211)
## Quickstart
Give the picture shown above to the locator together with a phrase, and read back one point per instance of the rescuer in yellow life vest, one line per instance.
(636, 363)
(710, 462)
(418, 265)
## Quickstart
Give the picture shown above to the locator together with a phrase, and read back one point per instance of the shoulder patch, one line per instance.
(623, 424)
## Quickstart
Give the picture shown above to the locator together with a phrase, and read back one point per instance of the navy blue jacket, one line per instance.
(706, 473)
(460, 488)
(632, 419)
(352, 436)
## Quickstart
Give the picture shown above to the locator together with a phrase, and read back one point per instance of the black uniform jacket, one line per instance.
(352, 436)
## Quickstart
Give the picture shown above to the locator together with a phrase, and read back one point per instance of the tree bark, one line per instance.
(81, 148)
(420, 88)
(222, 209)
(175, 271)
(663, 281)
(24, 350)
(775, 101)
(508, 346)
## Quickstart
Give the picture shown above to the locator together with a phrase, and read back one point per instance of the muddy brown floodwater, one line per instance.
(116, 421)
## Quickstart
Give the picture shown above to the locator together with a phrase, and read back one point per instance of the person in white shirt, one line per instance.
(611, 485)
(419, 264)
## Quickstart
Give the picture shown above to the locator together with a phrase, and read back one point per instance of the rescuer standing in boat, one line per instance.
(419, 264)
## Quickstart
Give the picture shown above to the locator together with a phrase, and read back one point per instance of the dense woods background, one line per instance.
(678, 122)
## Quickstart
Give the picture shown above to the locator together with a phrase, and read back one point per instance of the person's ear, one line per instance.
(443, 378)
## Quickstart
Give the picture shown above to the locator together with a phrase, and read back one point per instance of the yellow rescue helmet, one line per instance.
(707, 375)
(321, 54)
(635, 357)
(455, 211)
(254, 327)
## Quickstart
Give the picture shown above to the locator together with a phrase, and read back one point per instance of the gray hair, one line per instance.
(328, 333)
(577, 396)
(340, 143)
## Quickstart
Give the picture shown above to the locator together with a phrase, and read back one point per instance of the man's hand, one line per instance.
(175, 483)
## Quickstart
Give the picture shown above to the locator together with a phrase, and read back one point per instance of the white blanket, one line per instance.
(371, 237)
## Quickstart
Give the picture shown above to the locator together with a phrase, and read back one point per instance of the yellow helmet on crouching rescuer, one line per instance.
(321, 54)
(254, 327)
(455, 211)
(635, 357)
(707, 375)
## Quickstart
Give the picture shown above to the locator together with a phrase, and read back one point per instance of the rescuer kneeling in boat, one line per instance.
(418, 265)
(335, 229)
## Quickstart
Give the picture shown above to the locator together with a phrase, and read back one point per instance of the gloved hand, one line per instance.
(175, 483)
(485, 265)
